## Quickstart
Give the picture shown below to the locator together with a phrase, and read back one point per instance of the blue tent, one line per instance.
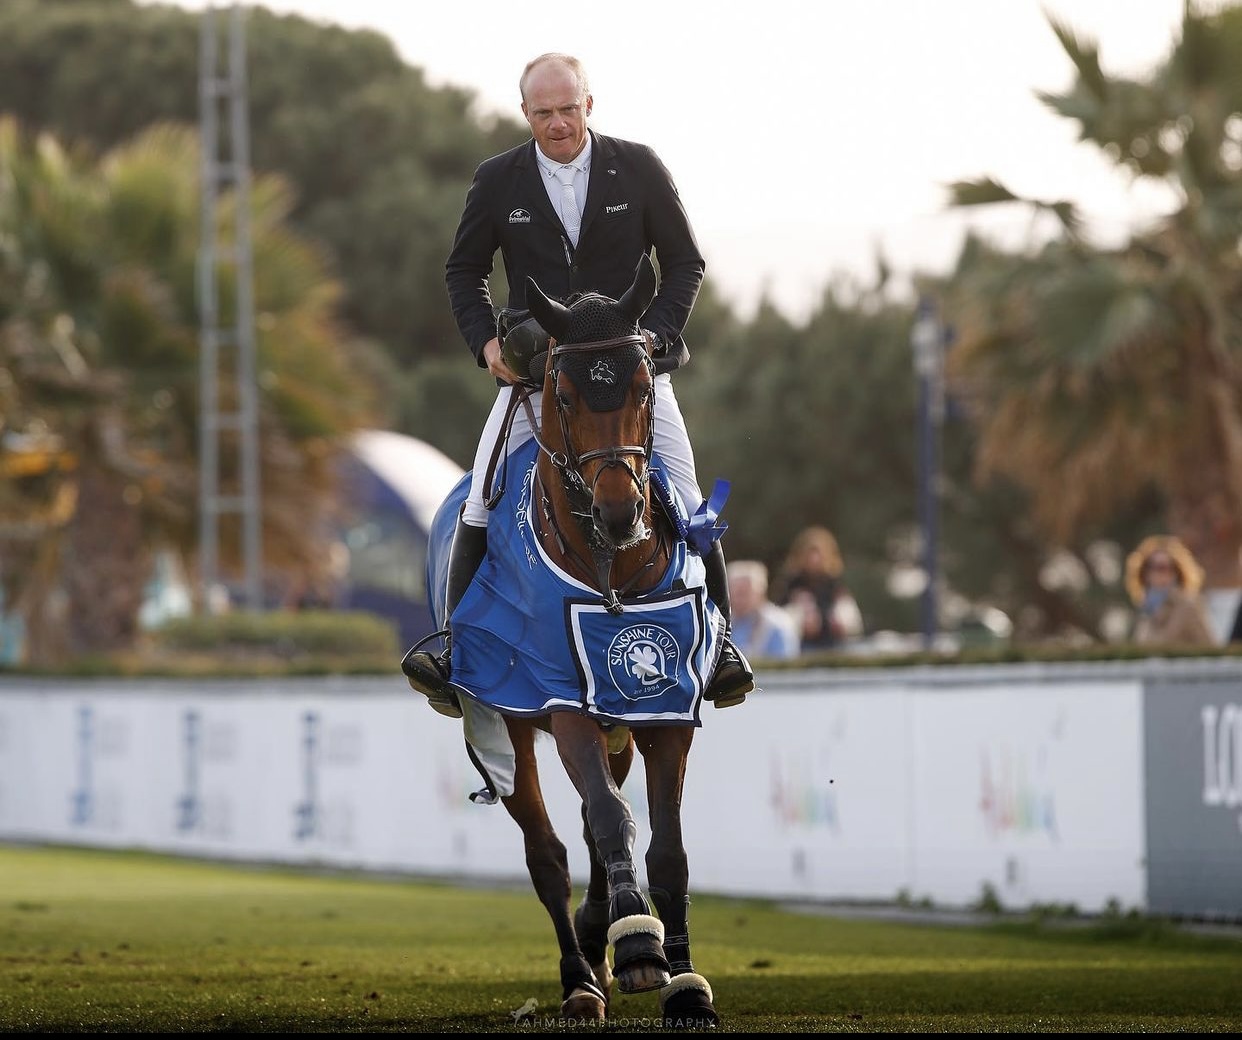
(393, 485)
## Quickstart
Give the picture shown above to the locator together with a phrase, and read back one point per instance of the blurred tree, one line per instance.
(445, 402)
(1100, 376)
(380, 161)
(815, 424)
(98, 350)
(812, 425)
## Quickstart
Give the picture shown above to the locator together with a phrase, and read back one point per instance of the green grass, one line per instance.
(105, 941)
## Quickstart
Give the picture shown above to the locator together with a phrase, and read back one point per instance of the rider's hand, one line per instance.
(496, 364)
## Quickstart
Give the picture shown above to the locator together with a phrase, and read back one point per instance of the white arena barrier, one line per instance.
(1089, 784)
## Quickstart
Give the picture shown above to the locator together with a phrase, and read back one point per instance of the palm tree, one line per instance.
(98, 335)
(1098, 374)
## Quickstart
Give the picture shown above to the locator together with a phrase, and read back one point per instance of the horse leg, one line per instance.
(548, 864)
(591, 917)
(636, 936)
(686, 1001)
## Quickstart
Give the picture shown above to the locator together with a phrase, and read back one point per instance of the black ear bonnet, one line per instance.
(601, 377)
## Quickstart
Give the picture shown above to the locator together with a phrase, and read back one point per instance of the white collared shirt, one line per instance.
(581, 165)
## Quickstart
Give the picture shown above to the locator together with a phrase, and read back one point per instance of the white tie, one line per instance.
(570, 216)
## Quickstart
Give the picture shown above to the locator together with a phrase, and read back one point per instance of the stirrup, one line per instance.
(428, 674)
(733, 678)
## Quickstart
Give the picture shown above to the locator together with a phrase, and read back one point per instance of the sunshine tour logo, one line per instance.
(643, 661)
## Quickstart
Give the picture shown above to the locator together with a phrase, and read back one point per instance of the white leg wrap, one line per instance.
(636, 924)
(689, 980)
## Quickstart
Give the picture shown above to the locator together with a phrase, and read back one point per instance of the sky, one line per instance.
(806, 137)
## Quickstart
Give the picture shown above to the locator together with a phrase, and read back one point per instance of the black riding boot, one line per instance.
(733, 678)
(429, 673)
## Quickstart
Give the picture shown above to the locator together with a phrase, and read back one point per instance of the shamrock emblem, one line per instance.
(644, 662)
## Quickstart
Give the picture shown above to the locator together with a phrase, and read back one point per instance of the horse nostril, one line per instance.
(617, 521)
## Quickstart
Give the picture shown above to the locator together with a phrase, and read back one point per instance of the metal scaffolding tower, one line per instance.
(228, 422)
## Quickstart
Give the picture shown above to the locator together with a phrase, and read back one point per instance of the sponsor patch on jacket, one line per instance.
(519, 216)
(619, 208)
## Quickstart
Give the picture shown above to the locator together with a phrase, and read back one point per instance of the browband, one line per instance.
(603, 344)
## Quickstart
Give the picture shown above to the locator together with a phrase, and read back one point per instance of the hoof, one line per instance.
(638, 957)
(583, 1006)
(642, 977)
(686, 1003)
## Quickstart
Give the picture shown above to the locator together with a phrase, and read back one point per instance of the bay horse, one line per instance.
(593, 514)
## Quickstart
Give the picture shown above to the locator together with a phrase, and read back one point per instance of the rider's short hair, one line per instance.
(568, 60)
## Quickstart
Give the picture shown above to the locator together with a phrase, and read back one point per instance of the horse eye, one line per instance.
(564, 400)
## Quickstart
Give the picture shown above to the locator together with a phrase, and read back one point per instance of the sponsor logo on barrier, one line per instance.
(4, 742)
(315, 817)
(197, 810)
(82, 798)
(93, 804)
(306, 812)
(1222, 756)
(189, 804)
(1012, 799)
(802, 795)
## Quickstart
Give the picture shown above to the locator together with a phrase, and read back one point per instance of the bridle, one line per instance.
(568, 464)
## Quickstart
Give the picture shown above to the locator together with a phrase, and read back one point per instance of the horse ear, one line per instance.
(638, 297)
(553, 316)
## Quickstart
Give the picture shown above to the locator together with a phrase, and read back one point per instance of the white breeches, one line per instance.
(671, 443)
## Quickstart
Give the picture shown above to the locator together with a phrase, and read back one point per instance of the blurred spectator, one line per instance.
(1163, 580)
(760, 627)
(810, 587)
(1235, 633)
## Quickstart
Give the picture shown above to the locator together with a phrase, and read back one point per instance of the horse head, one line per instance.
(599, 383)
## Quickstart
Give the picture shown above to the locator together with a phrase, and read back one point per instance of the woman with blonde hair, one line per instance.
(810, 587)
(1163, 580)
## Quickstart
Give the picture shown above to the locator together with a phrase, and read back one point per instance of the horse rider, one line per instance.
(574, 210)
